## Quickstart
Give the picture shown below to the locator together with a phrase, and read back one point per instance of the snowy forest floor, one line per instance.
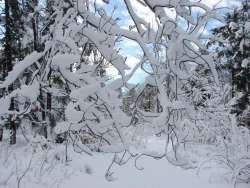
(24, 166)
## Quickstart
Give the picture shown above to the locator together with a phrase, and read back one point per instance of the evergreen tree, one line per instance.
(68, 71)
(235, 54)
(12, 51)
(15, 48)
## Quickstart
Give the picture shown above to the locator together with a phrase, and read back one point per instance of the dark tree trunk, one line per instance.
(12, 132)
(49, 116)
(12, 123)
(35, 34)
(34, 24)
(49, 101)
(9, 66)
(42, 104)
(233, 81)
(16, 25)
(8, 40)
(31, 9)
(44, 126)
(1, 134)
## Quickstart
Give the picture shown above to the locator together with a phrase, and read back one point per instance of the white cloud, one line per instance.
(143, 12)
(99, 2)
(129, 43)
(129, 22)
(112, 72)
(125, 13)
(139, 75)
(132, 61)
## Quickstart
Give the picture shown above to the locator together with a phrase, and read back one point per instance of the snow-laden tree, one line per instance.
(170, 50)
(80, 37)
(67, 67)
(12, 32)
(194, 104)
(234, 51)
(19, 37)
(174, 54)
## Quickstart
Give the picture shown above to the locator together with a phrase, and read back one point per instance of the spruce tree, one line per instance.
(236, 55)
(14, 50)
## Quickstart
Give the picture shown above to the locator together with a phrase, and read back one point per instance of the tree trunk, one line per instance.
(233, 81)
(12, 132)
(34, 25)
(1, 134)
(42, 105)
(17, 27)
(8, 40)
(49, 116)
(8, 66)
(12, 123)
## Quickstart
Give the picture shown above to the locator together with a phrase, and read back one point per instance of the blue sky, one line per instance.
(129, 48)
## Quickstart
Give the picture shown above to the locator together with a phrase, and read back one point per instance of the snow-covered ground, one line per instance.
(156, 174)
(24, 166)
